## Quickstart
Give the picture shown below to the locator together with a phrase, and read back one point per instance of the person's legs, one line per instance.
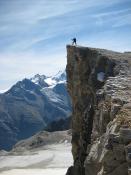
(75, 43)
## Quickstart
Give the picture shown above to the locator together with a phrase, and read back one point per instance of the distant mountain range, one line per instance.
(32, 105)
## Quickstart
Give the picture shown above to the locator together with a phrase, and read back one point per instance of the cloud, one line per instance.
(27, 65)
(27, 23)
(115, 18)
(124, 21)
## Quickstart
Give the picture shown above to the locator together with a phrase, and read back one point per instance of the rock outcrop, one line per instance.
(99, 83)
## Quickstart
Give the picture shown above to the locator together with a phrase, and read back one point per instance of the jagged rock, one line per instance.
(99, 84)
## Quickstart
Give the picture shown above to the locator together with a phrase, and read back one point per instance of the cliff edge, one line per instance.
(99, 83)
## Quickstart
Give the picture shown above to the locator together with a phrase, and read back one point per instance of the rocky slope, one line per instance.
(99, 82)
(41, 139)
(43, 154)
(32, 105)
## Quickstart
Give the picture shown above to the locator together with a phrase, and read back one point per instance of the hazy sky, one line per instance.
(34, 33)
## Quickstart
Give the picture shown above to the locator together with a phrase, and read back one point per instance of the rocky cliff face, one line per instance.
(99, 84)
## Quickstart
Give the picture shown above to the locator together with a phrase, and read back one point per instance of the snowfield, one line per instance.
(48, 160)
(35, 172)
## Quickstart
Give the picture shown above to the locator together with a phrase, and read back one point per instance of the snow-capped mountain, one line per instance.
(31, 105)
(45, 81)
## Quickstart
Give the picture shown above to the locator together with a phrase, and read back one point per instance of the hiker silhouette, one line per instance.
(74, 41)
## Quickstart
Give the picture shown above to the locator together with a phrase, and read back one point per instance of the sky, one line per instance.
(34, 33)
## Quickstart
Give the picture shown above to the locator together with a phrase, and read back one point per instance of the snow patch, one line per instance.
(50, 81)
(3, 91)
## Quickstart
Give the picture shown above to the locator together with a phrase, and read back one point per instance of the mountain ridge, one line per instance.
(28, 107)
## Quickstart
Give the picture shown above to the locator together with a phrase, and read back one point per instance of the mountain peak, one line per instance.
(38, 76)
(39, 80)
(60, 76)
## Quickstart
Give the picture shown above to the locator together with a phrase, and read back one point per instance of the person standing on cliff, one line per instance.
(74, 41)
